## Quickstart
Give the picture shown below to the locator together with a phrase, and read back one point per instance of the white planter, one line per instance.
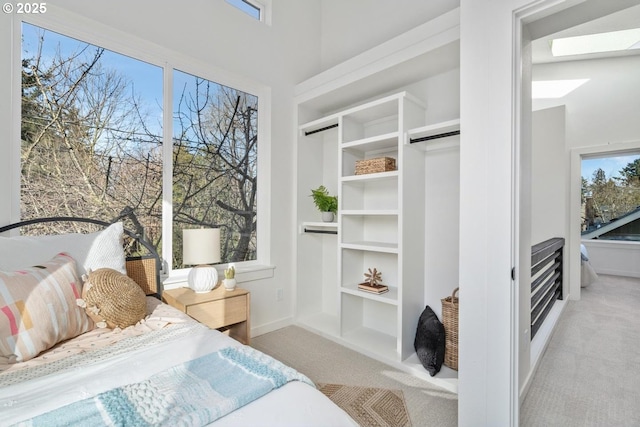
(327, 216)
(229, 284)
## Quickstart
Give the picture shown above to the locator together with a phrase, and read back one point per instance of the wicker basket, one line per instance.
(379, 164)
(450, 307)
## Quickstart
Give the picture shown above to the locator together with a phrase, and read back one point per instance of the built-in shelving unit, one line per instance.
(402, 222)
(372, 221)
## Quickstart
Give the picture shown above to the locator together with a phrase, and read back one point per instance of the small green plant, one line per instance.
(230, 273)
(323, 201)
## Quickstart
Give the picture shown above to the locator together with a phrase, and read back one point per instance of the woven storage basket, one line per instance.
(379, 164)
(450, 307)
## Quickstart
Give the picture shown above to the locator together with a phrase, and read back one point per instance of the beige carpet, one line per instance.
(326, 362)
(590, 373)
(369, 406)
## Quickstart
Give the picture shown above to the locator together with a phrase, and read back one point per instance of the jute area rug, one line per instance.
(369, 406)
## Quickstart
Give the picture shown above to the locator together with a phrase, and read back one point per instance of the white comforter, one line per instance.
(294, 404)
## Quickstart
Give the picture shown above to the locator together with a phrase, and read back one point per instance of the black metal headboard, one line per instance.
(139, 268)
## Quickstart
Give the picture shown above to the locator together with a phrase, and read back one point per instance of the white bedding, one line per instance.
(294, 404)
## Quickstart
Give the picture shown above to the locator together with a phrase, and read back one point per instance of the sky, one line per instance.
(145, 79)
(610, 165)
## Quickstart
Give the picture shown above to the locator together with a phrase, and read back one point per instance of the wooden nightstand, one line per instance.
(227, 311)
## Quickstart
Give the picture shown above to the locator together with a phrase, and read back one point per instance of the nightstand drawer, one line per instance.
(219, 309)
(220, 313)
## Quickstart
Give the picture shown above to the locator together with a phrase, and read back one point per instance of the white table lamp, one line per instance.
(201, 247)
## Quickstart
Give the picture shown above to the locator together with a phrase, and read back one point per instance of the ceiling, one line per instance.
(627, 18)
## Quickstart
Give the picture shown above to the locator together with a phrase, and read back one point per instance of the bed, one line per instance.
(59, 365)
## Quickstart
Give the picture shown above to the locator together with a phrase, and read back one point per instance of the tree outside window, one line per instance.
(607, 198)
(92, 137)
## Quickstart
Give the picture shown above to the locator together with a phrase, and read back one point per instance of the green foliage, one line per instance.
(230, 273)
(631, 173)
(324, 201)
(608, 198)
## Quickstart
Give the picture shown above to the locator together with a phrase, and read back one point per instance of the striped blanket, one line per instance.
(194, 393)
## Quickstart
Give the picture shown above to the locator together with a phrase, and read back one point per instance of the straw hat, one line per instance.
(113, 299)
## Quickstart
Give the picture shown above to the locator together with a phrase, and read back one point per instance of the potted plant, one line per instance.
(325, 203)
(229, 278)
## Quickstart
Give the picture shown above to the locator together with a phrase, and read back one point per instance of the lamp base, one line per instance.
(202, 278)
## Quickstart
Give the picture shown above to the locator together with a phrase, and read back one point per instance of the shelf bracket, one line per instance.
(431, 137)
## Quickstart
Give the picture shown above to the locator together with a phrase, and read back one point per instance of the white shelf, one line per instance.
(376, 109)
(320, 224)
(441, 135)
(390, 248)
(372, 212)
(371, 177)
(390, 297)
(387, 141)
(447, 378)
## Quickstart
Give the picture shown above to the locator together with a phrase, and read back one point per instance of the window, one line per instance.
(611, 197)
(93, 133)
(214, 164)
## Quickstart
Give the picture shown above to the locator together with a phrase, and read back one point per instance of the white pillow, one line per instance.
(91, 251)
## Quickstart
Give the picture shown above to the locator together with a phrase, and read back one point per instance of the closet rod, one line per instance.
(430, 137)
(311, 132)
(307, 230)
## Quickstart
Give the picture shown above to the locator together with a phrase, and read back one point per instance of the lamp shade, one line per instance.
(200, 246)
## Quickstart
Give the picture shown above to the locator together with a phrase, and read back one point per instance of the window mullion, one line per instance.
(167, 168)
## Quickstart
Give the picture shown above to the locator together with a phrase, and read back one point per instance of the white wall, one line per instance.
(441, 95)
(601, 116)
(442, 213)
(223, 41)
(604, 110)
(354, 26)
(550, 172)
(614, 258)
(488, 376)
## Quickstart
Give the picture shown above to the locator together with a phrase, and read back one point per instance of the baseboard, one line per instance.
(272, 326)
(617, 272)
(540, 342)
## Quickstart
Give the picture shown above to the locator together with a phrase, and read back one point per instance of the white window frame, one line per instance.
(264, 7)
(86, 30)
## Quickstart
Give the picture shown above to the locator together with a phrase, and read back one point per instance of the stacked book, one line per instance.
(375, 289)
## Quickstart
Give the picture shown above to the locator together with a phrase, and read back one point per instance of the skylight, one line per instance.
(554, 88)
(597, 43)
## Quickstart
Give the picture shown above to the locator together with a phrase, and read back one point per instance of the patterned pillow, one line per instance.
(38, 308)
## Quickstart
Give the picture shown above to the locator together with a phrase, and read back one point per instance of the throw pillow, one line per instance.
(38, 308)
(91, 251)
(430, 341)
(113, 299)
